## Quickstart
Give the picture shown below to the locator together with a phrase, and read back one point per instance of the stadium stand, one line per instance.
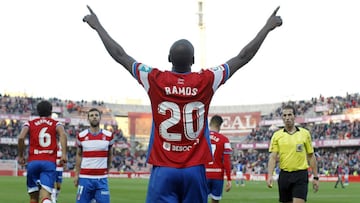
(333, 121)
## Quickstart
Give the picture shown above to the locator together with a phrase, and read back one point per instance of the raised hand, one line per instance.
(274, 20)
(91, 19)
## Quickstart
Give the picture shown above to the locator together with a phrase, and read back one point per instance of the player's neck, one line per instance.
(214, 129)
(290, 129)
(94, 130)
(181, 70)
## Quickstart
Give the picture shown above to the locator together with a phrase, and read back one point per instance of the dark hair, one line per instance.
(181, 53)
(217, 120)
(289, 107)
(44, 108)
(94, 109)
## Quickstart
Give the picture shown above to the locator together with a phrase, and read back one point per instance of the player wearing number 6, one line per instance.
(179, 144)
(41, 164)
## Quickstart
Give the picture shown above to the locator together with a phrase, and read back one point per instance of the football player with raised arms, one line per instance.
(179, 144)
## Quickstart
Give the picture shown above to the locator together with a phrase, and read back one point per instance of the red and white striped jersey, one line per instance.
(42, 139)
(180, 104)
(95, 153)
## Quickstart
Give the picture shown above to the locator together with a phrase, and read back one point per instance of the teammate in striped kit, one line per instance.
(215, 170)
(179, 144)
(42, 133)
(93, 161)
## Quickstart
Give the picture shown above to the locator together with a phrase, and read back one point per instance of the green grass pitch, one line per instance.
(13, 189)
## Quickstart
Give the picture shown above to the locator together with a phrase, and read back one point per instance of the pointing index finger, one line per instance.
(91, 11)
(275, 11)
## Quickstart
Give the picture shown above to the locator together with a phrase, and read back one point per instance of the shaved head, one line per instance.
(181, 55)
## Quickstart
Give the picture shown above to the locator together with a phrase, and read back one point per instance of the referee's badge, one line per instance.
(299, 147)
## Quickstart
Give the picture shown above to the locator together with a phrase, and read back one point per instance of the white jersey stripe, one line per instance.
(213, 170)
(227, 146)
(144, 80)
(93, 176)
(95, 145)
(97, 162)
(218, 76)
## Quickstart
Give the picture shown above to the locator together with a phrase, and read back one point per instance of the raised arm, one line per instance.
(249, 51)
(113, 48)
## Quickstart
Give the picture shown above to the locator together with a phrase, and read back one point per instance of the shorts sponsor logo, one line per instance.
(105, 193)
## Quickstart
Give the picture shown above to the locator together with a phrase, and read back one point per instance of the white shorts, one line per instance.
(239, 175)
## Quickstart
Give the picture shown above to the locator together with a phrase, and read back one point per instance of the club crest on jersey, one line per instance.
(144, 68)
(180, 81)
(167, 146)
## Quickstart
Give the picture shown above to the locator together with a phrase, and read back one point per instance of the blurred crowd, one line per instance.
(319, 131)
(327, 158)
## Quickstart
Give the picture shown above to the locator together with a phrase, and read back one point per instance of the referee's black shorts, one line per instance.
(293, 184)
